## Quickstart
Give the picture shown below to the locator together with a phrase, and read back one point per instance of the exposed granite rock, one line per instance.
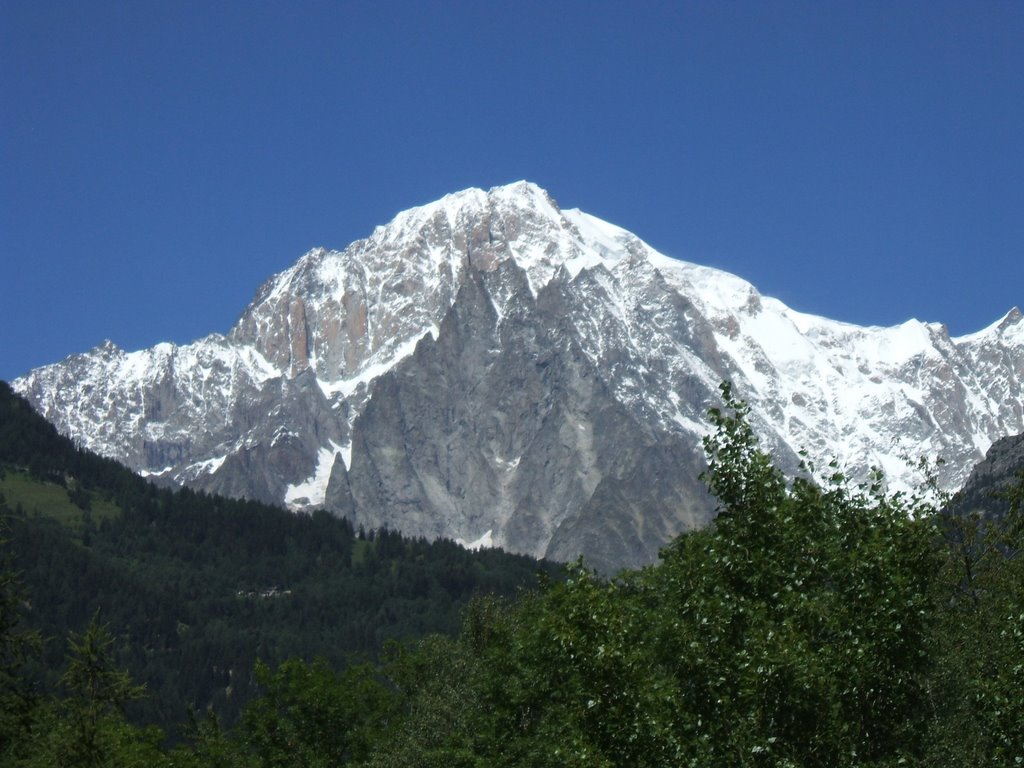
(1002, 467)
(490, 367)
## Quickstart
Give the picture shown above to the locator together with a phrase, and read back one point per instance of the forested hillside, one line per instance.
(816, 624)
(196, 588)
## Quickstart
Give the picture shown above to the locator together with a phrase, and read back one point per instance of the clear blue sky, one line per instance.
(159, 160)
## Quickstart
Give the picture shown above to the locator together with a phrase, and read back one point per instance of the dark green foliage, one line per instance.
(197, 588)
(18, 645)
(97, 692)
(798, 627)
(30, 443)
(435, 707)
(815, 624)
(86, 726)
(978, 686)
(309, 715)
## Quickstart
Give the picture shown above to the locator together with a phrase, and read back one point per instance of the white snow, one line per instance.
(206, 467)
(605, 240)
(485, 541)
(586, 260)
(313, 490)
(895, 345)
(347, 387)
(155, 472)
(508, 465)
(995, 329)
(346, 454)
(835, 388)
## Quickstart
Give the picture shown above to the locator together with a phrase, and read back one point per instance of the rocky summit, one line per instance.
(497, 370)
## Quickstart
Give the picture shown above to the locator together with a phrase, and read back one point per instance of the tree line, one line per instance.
(818, 622)
(195, 588)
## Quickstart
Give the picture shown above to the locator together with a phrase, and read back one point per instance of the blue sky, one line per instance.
(159, 160)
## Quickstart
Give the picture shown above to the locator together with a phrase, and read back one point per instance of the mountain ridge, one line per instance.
(376, 380)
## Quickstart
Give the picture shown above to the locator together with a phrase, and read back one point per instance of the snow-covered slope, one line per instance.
(490, 365)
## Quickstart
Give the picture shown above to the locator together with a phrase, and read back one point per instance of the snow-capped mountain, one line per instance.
(497, 370)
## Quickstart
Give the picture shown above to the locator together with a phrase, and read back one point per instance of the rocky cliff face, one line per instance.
(494, 369)
(989, 480)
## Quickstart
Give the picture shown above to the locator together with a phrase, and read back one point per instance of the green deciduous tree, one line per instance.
(310, 715)
(798, 627)
(817, 623)
(977, 689)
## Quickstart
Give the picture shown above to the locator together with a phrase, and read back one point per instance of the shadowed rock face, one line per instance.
(1002, 467)
(527, 441)
(492, 368)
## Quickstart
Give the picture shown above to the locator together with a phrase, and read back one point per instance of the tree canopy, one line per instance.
(818, 622)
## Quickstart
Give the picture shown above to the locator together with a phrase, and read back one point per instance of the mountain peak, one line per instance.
(520, 192)
(523, 192)
(472, 202)
(489, 362)
(1008, 327)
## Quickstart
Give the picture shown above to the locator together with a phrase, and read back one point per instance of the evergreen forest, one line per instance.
(818, 622)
